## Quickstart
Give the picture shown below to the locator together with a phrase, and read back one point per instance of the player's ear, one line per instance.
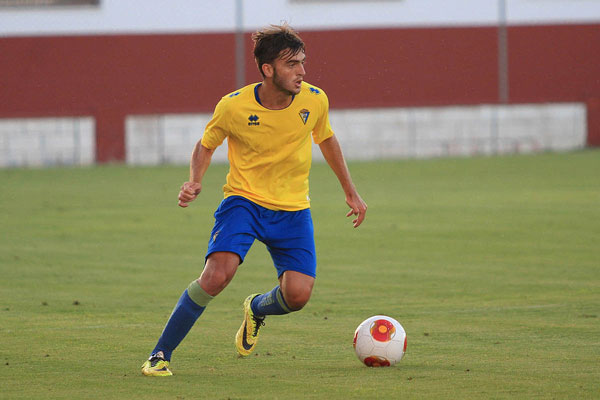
(267, 70)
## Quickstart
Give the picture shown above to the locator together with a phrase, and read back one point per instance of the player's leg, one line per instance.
(292, 293)
(219, 270)
(230, 240)
(292, 247)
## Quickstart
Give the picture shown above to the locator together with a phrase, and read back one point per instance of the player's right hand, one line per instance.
(189, 192)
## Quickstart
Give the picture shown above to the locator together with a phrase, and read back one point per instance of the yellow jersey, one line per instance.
(269, 151)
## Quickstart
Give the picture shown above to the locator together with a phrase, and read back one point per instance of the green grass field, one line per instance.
(492, 265)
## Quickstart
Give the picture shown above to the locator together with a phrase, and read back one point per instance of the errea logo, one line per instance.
(253, 118)
(314, 90)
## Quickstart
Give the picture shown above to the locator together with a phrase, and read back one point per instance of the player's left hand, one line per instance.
(357, 207)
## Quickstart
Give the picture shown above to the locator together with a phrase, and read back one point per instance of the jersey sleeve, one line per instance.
(322, 130)
(218, 128)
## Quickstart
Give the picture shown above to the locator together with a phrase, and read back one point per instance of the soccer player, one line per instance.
(268, 127)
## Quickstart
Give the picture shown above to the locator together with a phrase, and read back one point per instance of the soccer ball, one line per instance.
(380, 341)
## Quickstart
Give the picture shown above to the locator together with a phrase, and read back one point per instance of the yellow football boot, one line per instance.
(247, 336)
(156, 365)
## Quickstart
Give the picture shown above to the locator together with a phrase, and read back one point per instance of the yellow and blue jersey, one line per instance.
(269, 151)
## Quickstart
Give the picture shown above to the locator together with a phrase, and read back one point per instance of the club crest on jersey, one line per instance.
(304, 113)
(253, 118)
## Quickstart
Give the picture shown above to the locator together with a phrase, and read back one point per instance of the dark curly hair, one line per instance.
(275, 41)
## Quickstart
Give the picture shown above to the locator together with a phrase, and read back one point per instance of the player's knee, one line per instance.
(217, 274)
(219, 278)
(297, 299)
(213, 282)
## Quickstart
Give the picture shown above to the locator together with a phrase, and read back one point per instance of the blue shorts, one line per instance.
(288, 235)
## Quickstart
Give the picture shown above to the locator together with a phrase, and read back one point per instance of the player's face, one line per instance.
(288, 73)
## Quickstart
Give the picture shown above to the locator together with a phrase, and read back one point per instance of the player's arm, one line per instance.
(333, 155)
(201, 158)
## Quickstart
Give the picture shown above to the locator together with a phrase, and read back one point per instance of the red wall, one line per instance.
(404, 67)
(554, 63)
(110, 77)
